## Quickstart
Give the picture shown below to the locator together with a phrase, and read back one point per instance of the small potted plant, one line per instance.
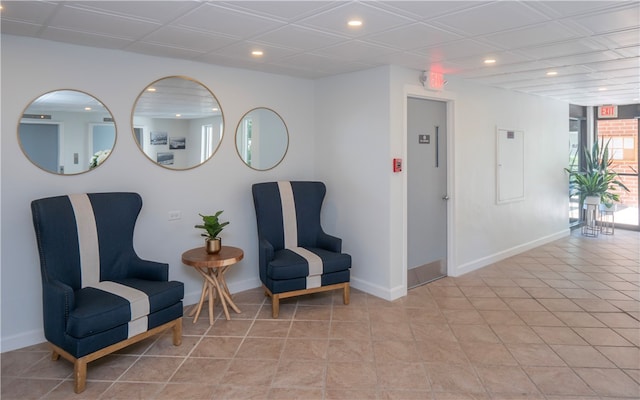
(212, 225)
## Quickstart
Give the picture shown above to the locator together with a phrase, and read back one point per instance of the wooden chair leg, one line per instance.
(177, 333)
(55, 356)
(275, 305)
(80, 374)
(346, 294)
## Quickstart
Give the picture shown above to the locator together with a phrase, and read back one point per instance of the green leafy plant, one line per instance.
(597, 179)
(212, 225)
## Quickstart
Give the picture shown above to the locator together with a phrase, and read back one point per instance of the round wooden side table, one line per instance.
(212, 268)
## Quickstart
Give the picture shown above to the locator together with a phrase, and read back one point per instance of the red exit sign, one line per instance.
(610, 111)
(435, 80)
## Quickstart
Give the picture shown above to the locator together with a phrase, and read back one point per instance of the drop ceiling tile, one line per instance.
(612, 65)
(627, 17)
(84, 38)
(335, 20)
(413, 36)
(628, 52)
(27, 11)
(355, 50)
(161, 12)
(564, 9)
(84, 20)
(219, 20)
(490, 18)
(289, 11)
(288, 70)
(629, 37)
(629, 73)
(425, 10)
(503, 58)
(158, 50)
(19, 28)
(242, 51)
(585, 58)
(540, 34)
(320, 65)
(457, 49)
(188, 39)
(571, 47)
(410, 60)
(296, 37)
(475, 73)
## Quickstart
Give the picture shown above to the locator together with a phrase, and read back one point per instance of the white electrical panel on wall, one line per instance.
(509, 166)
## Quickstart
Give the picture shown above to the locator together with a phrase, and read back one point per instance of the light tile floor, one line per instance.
(558, 322)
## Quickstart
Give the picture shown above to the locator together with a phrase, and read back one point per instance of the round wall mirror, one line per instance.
(177, 122)
(66, 132)
(262, 139)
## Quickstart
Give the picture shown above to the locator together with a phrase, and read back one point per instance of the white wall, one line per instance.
(31, 67)
(362, 127)
(343, 130)
(352, 153)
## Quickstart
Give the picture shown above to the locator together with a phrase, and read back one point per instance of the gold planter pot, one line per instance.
(213, 245)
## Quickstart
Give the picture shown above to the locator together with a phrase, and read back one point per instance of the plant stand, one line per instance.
(590, 227)
(607, 219)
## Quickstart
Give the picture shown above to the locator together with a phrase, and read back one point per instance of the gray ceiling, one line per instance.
(594, 46)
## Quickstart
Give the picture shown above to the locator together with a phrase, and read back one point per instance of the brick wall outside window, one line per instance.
(624, 144)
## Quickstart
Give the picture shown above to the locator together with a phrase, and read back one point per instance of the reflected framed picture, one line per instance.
(159, 138)
(177, 143)
(164, 158)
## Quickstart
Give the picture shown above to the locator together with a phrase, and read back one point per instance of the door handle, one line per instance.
(445, 197)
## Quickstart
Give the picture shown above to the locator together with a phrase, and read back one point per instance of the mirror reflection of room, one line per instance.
(262, 139)
(177, 123)
(67, 132)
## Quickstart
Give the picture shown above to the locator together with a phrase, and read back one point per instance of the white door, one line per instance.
(426, 190)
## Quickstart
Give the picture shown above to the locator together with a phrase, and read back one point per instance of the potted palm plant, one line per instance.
(597, 183)
(213, 226)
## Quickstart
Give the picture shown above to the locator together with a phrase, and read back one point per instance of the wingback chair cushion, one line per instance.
(96, 290)
(294, 251)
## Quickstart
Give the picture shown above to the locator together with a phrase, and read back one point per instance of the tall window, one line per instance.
(575, 155)
(622, 136)
(245, 140)
(206, 147)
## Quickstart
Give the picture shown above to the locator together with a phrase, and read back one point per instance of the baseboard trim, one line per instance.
(499, 256)
(22, 339)
(378, 291)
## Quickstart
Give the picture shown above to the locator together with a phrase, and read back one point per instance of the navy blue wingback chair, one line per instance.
(296, 256)
(98, 295)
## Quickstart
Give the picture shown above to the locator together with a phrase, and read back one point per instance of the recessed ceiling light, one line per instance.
(151, 89)
(354, 23)
(87, 108)
(602, 89)
(178, 115)
(490, 61)
(214, 109)
(257, 53)
(552, 73)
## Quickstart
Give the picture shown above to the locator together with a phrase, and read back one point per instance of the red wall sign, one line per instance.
(435, 80)
(610, 111)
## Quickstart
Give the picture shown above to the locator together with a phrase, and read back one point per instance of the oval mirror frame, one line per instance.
(177, 122)
(66, 132)
(262, 139)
